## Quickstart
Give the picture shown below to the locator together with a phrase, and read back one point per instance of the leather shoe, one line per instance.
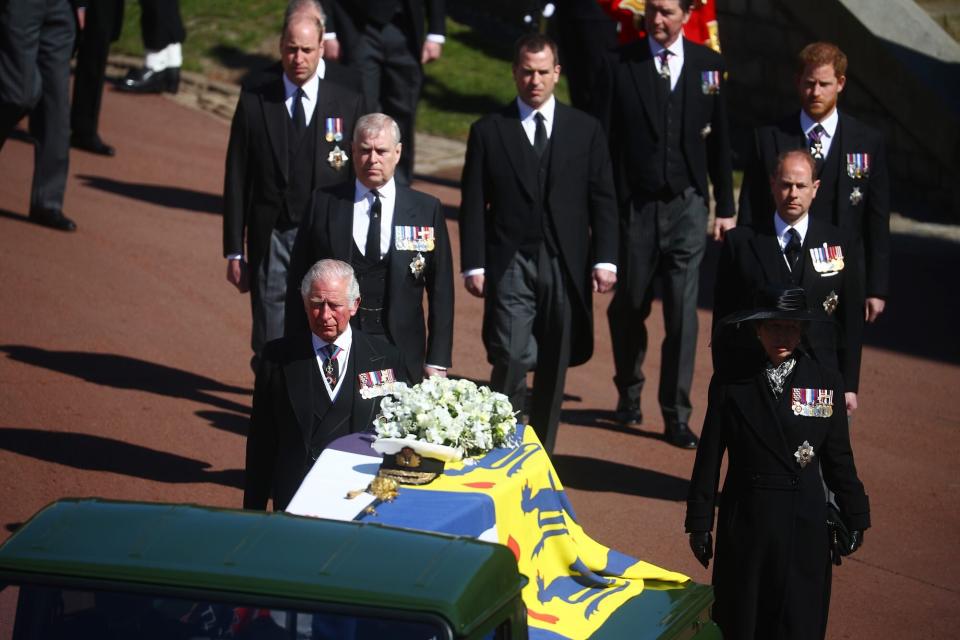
(53, 219)
(679, 435)
(149, 81)
(92, 144)
(628, 412)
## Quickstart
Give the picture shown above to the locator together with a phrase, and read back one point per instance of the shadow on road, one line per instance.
(590, 474)
(604, 419)
(94, 453)
(123, 372)
(158, 194)
(225, 421)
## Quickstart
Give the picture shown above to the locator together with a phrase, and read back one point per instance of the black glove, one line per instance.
(701, 543)
(856, 540)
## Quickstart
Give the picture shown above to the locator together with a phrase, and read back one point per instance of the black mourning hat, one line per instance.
(777, 302)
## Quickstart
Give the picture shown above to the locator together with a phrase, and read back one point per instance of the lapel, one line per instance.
(842, 145)
(756, 405)
(275, 118)
(644, 74)
(302, 375)
(766, 248)
(561, 144)
(692, 91)
(340, 222)
(514, 139)
(365, 358)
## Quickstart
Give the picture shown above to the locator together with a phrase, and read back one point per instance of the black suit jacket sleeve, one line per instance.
(473, 205)
(719, 163)
(604, 223)
(706, 468)
(440, 295)
(262, 439)
(876, 224)
(755, 188)
(236, 183)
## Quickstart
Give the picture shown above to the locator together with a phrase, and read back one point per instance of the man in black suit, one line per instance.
(538, 234)
(313, 388)
(396, 240)
(668, 130)
(36, 40)
(103, 20)
(793, 249)
(384, 42)
(851, 167)
(289, 136)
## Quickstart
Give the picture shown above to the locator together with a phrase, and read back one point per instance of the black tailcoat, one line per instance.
(498, 183)
(635, 123)
(866, 217)
(772, 570)
(348, 18)
(257, 173)
(326, 231)
(288, 396)
(751, 258)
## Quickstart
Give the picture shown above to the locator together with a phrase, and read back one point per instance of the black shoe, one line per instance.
(149, 81)
(628, 412)
(679, 435)
(53, 219)
(92, 144)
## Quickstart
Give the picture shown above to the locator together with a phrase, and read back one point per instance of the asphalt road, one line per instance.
(124, 374)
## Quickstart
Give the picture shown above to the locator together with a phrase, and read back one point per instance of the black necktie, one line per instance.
(792, 250)
(299, 117)
(331, 368)
(373, 231)
(540, 135)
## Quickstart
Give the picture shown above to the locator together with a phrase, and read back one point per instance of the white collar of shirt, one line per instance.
(344, 341)
(310, 89)
(781, 228)
(829, 125)
(674, 60)
(547, 110)
(362, 201)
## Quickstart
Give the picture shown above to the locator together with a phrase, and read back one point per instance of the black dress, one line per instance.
(772, 570)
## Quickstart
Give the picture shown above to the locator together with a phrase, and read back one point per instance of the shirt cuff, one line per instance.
(330, 35)
(473, 272)
(434, 37)
(435, 366)
(234, 256)
(606, 266)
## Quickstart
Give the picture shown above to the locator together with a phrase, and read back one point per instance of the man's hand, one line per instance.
(851, 399)
(237, 275)
(474, 285)
(430, 371)
(331, 49)
(721, 226)
(701, 543)
(873, 307)
(431, 51)
(81, 18)
(603, 280)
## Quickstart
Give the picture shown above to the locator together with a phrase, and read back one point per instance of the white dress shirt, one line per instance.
(344, 341)
(674, 60)
(829, 125)
(310, 89)
(782, 228)
(362, 202)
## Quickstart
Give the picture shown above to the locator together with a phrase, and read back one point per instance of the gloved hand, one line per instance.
(856, 540)
(701, 543)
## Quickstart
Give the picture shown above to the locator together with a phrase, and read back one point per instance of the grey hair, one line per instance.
(297, 9)
(331, 269)
(370, 125)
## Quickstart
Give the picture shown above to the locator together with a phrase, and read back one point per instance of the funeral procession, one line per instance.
(332, 319)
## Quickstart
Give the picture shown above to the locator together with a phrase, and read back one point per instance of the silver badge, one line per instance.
(804, 454)
(856, 196)
(705, 131)
(830, 302)
(417, 265)
(337, 158)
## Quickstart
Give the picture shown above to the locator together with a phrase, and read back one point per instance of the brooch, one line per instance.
(705, 131)
(830, 302)
(804, 454)
(337, 158)
(856, 196)
(417, 265)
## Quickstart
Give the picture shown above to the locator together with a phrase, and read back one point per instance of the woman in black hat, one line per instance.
(780, 427)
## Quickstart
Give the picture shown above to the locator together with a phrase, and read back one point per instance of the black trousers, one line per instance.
(36, 40)
(161, 24)
(103, 21)
(528, 326)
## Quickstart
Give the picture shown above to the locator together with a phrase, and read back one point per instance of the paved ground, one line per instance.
(123, 373)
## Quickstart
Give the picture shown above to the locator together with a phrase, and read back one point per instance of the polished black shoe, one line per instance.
(93, 145)
(628, 412)
(150, 81)
(53, 219)
(679, 435)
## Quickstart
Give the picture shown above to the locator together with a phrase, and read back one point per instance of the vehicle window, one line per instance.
(62, 614)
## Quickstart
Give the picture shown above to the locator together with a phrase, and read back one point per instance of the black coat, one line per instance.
(288, 391)
(498, 183)
(867, 220)
(772, 568)
(635, 123)
(256, 171)
(751, 258)
(326, 231)
(348, 18)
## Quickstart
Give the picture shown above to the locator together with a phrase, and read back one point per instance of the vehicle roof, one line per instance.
(275, 555)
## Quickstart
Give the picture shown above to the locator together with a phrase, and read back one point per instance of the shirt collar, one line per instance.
(801, 226)
(829, 123)
(547, 109)
(310, 87)
(344, 340)
(387, 191)
(676, 49)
